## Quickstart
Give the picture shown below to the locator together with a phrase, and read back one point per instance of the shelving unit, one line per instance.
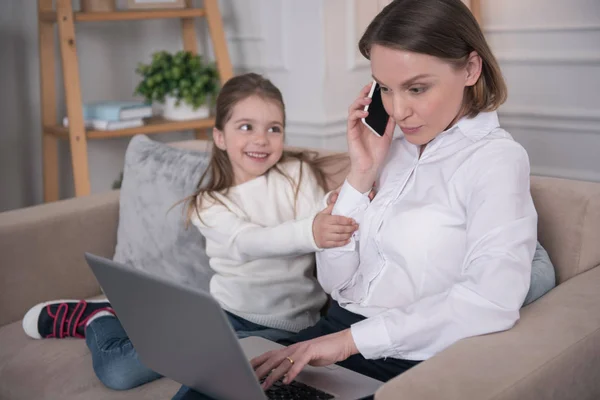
(152, 125)
(65, 18)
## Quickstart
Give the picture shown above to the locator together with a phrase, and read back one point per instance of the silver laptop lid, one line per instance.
(172, 339)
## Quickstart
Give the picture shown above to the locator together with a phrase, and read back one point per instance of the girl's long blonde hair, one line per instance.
(219, 177)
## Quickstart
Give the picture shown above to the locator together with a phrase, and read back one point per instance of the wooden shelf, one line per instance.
(128, 15)
(58, 16)
(152, 125)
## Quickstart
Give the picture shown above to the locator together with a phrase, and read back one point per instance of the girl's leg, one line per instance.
(115, 361)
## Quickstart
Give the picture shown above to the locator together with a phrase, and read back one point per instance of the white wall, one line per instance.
(549, 51)
(347, 70)
(283, 40)
(20, 156)
(108, 55)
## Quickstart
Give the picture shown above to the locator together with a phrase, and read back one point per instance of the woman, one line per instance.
(444, 250)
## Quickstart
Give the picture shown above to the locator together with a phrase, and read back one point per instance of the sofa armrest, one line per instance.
(41, 251)
(553, 352)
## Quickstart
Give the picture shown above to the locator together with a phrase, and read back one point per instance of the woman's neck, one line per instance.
(461, 113)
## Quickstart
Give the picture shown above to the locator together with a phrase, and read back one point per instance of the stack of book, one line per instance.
(113, 115)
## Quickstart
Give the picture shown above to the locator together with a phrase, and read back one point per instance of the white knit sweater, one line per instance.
(262, 250)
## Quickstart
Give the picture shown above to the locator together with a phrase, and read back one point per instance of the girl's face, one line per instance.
(422, 93)
(252, 137)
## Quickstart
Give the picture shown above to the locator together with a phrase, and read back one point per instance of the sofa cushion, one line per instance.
(543, 276)
(553, 352)
(568, 223)
(151, 234)
(59, 369)
(41, 251)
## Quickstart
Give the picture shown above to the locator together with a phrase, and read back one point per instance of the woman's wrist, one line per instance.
(363, 182)
(350, 344)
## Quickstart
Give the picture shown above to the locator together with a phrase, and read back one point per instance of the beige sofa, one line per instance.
(552, 353)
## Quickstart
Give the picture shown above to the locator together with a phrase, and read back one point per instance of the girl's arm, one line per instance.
(247, 241)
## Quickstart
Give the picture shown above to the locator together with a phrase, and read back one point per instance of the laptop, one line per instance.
(182, 333)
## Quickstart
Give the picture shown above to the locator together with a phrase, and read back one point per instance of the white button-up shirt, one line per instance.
(444, 250)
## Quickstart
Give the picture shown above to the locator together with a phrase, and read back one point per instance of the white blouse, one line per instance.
(444, 250)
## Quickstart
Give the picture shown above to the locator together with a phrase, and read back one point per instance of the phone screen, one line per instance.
(377, 119)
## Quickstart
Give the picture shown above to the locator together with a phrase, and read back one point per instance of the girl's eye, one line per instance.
(418, 90)
(275, 129)
(246, 127)
(383, 89)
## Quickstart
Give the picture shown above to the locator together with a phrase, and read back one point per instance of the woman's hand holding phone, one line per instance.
(367, 151)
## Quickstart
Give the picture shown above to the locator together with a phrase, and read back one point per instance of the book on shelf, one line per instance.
(116, 110)
(104, 125)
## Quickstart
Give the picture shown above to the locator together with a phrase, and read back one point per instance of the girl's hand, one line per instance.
(288, 362)
(333, 196)
(367, 151)
(332, 230)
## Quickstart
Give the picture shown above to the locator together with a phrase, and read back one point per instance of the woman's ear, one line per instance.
(473, 68)
(219, 139)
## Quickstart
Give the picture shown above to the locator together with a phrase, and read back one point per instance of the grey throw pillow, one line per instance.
(151, 235)
(543, 277)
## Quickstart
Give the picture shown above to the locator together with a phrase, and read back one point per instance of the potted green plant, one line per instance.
(183, 82)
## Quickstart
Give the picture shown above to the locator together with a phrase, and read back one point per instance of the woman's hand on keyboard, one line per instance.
(288, 362)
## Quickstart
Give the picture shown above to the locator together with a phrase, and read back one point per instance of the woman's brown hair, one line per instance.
(218, 177)
(445, 29)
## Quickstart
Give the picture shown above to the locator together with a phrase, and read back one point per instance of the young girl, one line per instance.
(258, 207)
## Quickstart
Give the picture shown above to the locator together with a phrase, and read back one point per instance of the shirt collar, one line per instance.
(479, 126)
(473, 129)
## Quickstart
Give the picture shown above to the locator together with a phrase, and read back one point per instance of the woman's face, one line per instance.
(422, 93)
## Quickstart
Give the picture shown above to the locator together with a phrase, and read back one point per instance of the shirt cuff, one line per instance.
(371, 338)
(349, 200)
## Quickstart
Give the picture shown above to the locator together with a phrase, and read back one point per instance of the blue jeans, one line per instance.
(116, 362)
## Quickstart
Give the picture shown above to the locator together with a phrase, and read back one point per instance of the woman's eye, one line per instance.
(246, 127)
(418, 90)
(384, 89)
(275, 129)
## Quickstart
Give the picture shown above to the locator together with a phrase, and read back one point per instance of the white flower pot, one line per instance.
(183, 112)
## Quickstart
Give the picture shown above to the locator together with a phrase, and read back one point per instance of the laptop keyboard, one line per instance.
(295, 390)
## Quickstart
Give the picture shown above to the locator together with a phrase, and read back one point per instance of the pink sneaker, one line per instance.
(62, 318)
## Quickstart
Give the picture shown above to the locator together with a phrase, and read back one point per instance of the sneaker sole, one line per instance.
(30, 320)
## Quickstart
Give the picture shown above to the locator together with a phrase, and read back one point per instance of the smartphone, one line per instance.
(377, 119)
